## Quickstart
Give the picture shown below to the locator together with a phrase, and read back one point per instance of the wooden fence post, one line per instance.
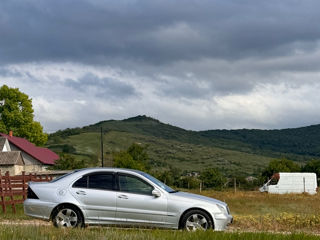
(13, 206)
(24, 195)
(2, 194)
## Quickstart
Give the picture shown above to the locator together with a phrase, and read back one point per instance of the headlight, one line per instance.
(228, 210)
(222, 208)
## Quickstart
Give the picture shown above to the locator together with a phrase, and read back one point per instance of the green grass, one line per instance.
(34, 232)
(9, 215)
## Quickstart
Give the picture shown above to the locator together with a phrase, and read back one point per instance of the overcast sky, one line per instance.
(195, 64)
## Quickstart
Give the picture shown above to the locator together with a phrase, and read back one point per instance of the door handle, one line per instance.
(81, 193)
(123, 196)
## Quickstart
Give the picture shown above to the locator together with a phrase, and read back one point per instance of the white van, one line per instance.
(285, 182)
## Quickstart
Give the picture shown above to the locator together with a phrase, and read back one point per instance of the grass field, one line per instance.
(98, 233)
(256, 211)
(253, 212)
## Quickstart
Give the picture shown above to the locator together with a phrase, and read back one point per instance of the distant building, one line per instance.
(12, 162)
(251, 179)
(18, 154)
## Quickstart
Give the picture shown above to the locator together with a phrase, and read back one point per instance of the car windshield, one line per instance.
(159, 183)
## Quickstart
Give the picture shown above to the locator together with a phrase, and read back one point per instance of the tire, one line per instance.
(67, 217)
(196, 220)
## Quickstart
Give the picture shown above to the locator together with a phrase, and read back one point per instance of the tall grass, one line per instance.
(271, 212)
(33, 232)
(9, 215)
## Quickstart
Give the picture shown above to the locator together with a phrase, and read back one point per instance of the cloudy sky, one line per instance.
(197, 64)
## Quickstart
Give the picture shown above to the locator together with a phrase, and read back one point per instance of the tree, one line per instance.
(312, 166)
(138, 152)
(280, 165)
(135, 157)
(17, 116)
(169, 176)
(212, 178)
(124, 160)
(67, 162)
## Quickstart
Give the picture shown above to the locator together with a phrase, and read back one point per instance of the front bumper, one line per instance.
(38, 209)
(221, 221)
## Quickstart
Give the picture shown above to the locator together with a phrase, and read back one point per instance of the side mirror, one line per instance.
(156, 193)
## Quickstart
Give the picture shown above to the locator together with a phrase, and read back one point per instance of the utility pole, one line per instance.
(2, 102)
(101, 140)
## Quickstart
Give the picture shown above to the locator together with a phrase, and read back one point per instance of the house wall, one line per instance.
(18, 169)
(6, 147)
(35, 168)
(28, 160)
(13, 169)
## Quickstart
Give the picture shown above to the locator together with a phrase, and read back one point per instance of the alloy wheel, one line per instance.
(66, 218)
(196, 222)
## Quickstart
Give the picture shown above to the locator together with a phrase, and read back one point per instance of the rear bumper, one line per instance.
(38, 209)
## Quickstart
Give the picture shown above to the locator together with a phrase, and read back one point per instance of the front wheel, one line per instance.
(196, 220)
(67, 217)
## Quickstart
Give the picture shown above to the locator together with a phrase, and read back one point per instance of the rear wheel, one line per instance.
(67, 217)
(196, 220)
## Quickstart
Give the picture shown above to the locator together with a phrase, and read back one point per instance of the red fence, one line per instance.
(13, 189)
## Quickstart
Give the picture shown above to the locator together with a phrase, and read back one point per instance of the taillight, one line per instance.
(31, 194)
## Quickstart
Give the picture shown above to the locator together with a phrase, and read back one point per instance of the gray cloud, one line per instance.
(154, 32)
(102, 87)
(198, 64)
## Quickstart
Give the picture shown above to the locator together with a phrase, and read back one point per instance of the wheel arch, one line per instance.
(66, 204)
(191, 209)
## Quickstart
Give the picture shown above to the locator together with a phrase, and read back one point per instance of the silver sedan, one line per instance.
(122, 197)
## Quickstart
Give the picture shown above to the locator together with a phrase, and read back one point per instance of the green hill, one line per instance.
(297, 143)
(235, 152)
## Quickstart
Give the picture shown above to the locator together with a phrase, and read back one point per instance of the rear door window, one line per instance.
(103, 181)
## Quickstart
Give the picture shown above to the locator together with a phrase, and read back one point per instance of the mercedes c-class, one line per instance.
(115, 196)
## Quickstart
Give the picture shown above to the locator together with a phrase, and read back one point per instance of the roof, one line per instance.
(11, 158)
(44, 155)
(297, 174)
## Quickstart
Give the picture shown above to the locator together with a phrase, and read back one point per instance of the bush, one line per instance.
(124, 160)
(280, 165)
(135, 157)
(68, 162)
(212, 178)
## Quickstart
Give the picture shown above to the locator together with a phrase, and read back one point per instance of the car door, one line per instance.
(136, 204)
(95, 192)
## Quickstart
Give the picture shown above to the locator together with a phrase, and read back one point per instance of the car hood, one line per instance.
(192, 197)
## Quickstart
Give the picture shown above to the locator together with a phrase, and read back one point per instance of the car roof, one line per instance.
(107, 169)
(80, 172)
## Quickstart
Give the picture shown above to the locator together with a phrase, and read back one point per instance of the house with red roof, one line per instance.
(18, 154)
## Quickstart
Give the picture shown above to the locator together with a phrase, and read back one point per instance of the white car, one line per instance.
(115, 196)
